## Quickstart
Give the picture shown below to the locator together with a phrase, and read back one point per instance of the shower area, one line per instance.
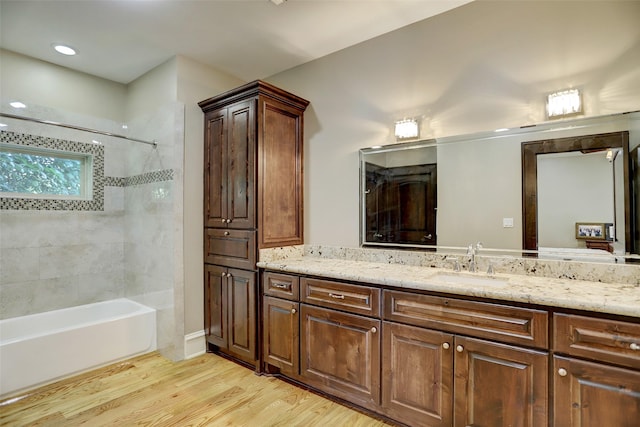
(123, 241)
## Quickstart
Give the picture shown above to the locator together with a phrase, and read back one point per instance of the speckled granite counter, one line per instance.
(611, 298)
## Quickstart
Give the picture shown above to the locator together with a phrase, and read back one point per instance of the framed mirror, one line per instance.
(471, 188)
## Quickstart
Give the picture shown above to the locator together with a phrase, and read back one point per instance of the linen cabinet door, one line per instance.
(499, 385)
(215, 309)
(281, 333)
(417, 375)
(242, 314)
(215, 169)
(340, 354)
(588, 394)
(240, 164)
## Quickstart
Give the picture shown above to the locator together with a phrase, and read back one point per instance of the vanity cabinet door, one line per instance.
(417, 375)
(281, 333)
(588, 394)
(499, 385)
(340, 354)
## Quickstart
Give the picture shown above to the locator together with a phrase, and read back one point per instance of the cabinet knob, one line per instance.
(293, 311)
(228, 221)
(634, 346)
(562, 372)
(445, 345)
(223, 220)
(374, 330)
(226, 233)
(459, 349)
(224, 274)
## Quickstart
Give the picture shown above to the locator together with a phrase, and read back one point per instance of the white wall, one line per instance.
(196, 82)
(33, 81)
(569, 186)
(483, 66)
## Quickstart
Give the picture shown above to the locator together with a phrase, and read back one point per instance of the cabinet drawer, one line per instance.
(483, 320)
(343, 296)
(281, 286)
(600, 339)
(231, 248)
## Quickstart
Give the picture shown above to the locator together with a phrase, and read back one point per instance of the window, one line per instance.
(42, 173)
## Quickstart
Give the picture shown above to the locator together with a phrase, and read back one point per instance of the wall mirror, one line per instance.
(529, 190)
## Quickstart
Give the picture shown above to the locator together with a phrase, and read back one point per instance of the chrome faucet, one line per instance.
(472, 251)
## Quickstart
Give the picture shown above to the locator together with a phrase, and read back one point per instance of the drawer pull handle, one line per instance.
(336, 296)
(293, 311)
(634, 346)
(445, 345)
(562, 372)
(459, 349)
(281, 286)
(374, 330)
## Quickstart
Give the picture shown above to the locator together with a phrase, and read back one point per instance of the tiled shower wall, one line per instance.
(52, 258)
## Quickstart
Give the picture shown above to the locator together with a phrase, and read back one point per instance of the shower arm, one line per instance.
(99, 132)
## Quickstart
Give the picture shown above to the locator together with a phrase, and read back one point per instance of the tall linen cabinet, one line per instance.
(252, 200)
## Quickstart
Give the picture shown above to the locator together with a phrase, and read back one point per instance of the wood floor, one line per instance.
(152, 391)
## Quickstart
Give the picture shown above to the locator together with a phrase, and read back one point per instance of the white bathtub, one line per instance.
(39, 348)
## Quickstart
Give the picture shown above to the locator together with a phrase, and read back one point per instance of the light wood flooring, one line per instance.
(152, 391)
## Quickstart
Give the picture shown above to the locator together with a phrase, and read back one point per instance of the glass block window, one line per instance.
(41, 173)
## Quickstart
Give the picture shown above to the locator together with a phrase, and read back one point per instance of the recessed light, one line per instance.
(64, 49)
(17, 104)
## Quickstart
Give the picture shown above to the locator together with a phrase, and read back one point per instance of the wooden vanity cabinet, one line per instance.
(437, 377)
(604, 389)
(281, 323)
(340, 339)
(252, 196)
(340, 354)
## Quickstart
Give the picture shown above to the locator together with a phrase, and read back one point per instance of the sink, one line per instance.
(459, 279)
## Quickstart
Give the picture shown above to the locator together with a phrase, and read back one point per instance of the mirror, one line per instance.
(472, 187)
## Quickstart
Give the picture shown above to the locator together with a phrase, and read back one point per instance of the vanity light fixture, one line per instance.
(564, 103)
(64, 49)
(407, 128)
(17, 104)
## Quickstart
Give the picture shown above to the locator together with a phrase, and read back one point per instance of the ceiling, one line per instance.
(120, 40)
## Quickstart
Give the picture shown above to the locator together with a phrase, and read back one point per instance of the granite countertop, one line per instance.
(610, 298)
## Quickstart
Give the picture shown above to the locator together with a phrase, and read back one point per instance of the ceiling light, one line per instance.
(564, 103)
(64, 49)
(17, 104)
(407, 128)
(277, 2)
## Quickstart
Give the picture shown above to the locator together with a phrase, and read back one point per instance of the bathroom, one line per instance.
(468, 70)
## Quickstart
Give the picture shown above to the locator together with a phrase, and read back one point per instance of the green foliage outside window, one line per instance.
(39, 173)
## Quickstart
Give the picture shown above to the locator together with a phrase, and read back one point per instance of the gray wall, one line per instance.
(483, 66)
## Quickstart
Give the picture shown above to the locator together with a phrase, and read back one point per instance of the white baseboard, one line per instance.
(195, 344)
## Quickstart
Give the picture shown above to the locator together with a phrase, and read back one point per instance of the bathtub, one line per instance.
(40, 348)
